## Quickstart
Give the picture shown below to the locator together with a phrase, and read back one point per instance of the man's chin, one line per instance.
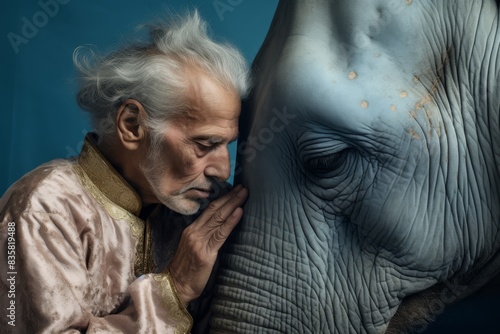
(186, 207)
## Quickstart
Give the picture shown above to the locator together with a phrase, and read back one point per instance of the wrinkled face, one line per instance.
(193, 151)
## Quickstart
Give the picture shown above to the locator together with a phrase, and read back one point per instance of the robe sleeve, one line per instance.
(155, 309)
(53, 291)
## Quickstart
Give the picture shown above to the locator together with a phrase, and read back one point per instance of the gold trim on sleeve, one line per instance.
(172, 303)
(148, 265)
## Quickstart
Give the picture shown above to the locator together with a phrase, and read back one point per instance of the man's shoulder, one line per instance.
(49, 172)
(45, 183)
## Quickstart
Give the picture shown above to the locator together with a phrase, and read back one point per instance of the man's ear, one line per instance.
(128, 126)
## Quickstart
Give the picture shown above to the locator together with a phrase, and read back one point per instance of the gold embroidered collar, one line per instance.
(106, 178)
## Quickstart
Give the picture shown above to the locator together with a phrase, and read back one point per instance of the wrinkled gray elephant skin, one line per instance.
(371, 149)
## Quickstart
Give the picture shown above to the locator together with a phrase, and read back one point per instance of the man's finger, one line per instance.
(220, 209)
(220, 216)
(221, 233)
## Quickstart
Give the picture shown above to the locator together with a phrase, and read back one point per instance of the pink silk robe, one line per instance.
(76, 257)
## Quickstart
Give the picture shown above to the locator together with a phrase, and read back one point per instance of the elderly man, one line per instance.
(106, 242)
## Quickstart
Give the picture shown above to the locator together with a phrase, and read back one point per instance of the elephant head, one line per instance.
(371, 148)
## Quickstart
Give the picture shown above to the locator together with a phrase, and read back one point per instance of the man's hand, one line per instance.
(201, 241)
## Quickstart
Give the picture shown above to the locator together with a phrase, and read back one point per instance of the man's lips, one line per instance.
(200, 192)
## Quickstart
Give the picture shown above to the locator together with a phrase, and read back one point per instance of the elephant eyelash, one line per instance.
(328, 163)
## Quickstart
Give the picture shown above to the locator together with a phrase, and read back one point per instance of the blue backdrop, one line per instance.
(40, 118)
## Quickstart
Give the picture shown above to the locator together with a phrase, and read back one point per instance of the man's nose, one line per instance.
(219, 165)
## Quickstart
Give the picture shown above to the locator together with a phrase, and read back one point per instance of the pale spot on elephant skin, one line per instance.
(420, 104)
(364, 104)
(352, 75)
(403, 94)
(409, 2)
(394, 108)
(428, 114)
(413, 134)
(418, 109)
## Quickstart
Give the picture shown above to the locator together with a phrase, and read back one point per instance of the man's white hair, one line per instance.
(153, 74)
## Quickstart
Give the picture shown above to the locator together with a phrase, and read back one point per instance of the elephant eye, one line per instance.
(328, 163)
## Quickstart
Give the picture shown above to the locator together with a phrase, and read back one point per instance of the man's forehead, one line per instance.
(214, 133)
(206, 128)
